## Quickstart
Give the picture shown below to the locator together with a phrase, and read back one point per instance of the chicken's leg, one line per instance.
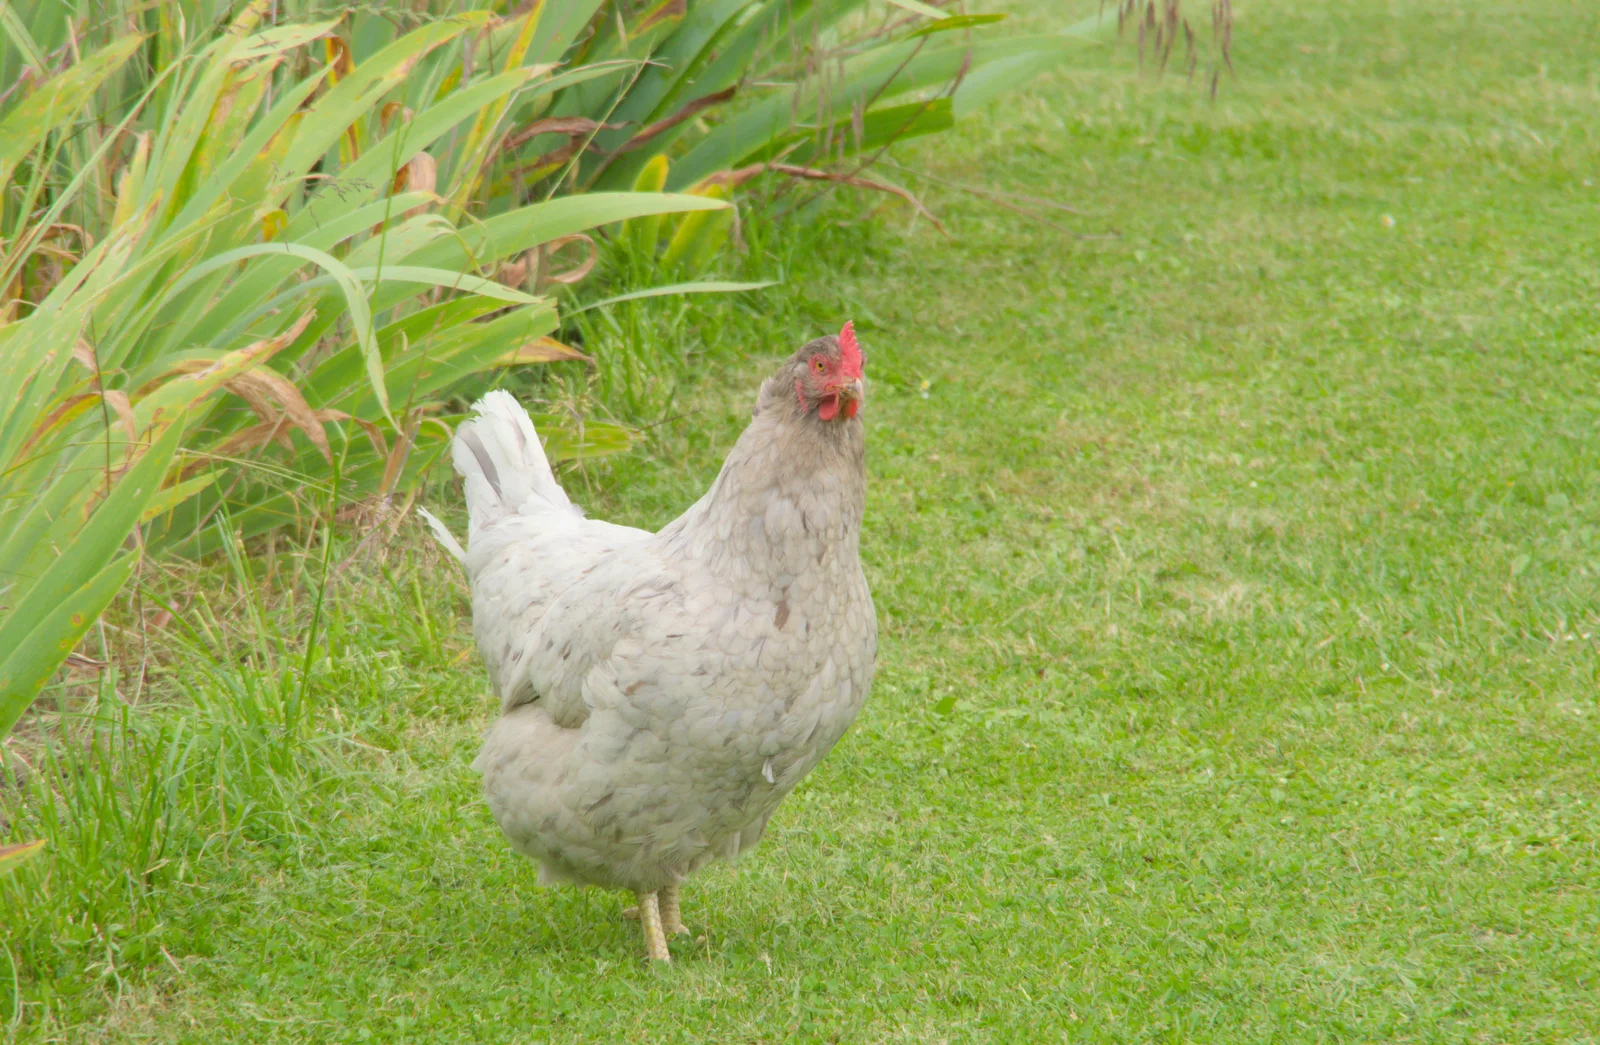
(655, 941)
(671, 917)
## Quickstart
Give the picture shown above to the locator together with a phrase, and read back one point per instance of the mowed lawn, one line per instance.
(1236, 561)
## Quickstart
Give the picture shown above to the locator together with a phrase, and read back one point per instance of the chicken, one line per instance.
(660, 693)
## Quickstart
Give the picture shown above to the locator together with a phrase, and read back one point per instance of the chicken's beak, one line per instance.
(850, 396)
(843, 400)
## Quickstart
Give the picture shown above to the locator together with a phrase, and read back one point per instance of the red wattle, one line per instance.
(850, 408)
(829, 407)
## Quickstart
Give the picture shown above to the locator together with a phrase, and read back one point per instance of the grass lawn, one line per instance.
(1238, 568)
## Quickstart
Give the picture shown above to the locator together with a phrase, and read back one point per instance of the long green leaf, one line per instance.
(675, 76)
(356, 94)
(23, 39)
(661, 82)
(852, 136)
(917, 7)
(355, 298)
(249, 152)
(58, 98)
(219, 320)
(595, 439)
(174, 151)
(882, 72)
(452, 355)
(700, 287)
(340, 374)
(42, 628)
(376, 167)
(35, 351)
(30, 664)
(559, 28)
(990, 81)
(275, 39)
(448, 279)
(518, 230)
(945, 25)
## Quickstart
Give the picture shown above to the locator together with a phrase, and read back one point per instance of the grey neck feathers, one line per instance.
(789, 498)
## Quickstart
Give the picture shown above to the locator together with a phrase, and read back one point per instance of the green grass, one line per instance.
(1237, 577)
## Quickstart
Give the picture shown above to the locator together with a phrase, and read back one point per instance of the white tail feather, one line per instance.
(442, 534)
(499, 455)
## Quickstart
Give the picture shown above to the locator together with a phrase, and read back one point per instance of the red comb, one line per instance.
(849, 350)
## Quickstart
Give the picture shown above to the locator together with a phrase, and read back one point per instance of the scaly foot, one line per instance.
(671, 918)
(655, 941)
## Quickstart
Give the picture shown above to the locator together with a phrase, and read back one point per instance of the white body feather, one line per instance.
(661, 693)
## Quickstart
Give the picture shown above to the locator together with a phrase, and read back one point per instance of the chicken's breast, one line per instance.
(674, 714)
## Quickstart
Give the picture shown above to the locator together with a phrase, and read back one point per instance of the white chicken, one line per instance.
(661, 693)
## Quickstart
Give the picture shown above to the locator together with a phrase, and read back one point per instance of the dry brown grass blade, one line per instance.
(389, 111)
(418, 174)
(276, 430)
(1222, 29)
(261, 389)
(68, 409)
(373, 432)
(8, 301)
(269, 384)
(59, 229)
(571, 126)
(421, 174)
(343, 61)
(536, 263)
(118, 401)
(572, 275)
(83, 352)
(668, 9)
(52, 258)
(252, 438)
(257, 352)
(74, 406)
(338, 54)
(666, 123)
(580, 133)
(83, 663)
(541, 350)
(735, 178)
(397, 456)
(55, 253)
(26, 77)
(256, 398)
(514, 274)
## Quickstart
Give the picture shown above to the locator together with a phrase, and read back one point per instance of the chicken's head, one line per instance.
(827, 375)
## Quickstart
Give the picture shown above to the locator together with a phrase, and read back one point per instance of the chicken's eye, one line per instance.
(818, 364)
